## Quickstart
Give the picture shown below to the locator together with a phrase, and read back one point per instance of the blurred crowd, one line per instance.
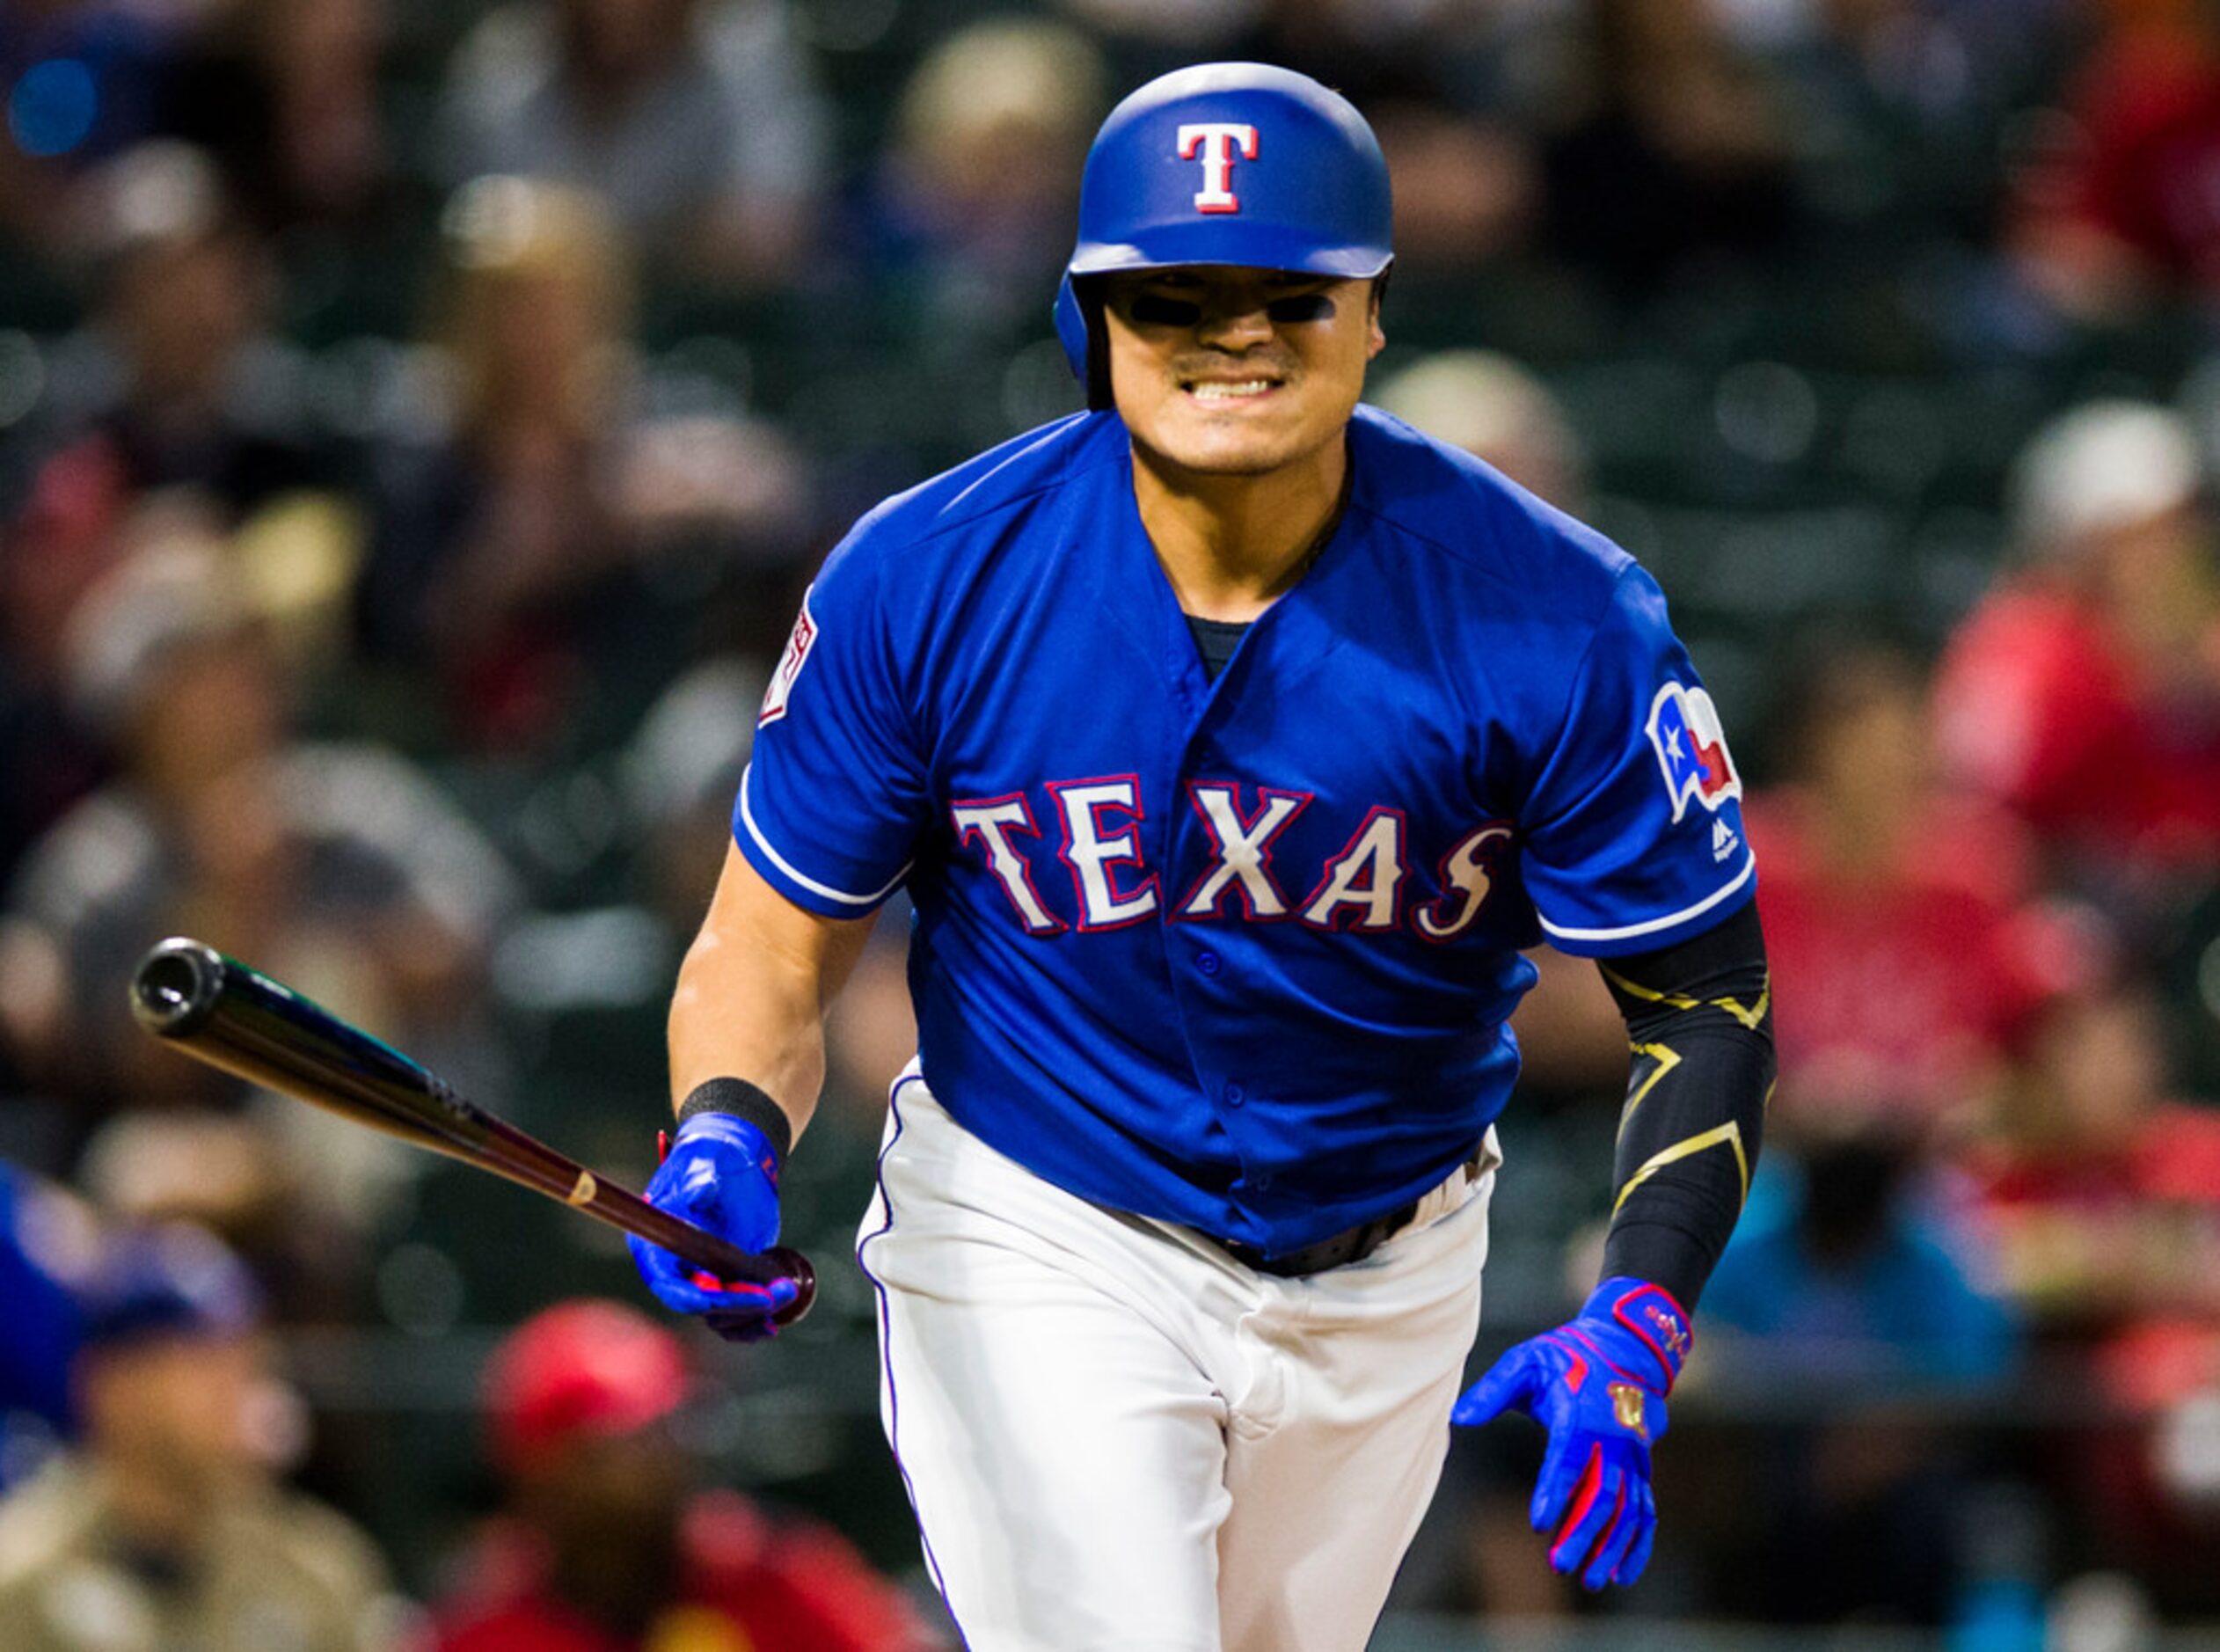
(418, 422)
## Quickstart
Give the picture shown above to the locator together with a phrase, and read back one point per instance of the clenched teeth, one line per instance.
(1215, 391)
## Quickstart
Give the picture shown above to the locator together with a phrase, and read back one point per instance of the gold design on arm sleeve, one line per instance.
(1667, 1059)
(1748, 1014)
(1729, 1134)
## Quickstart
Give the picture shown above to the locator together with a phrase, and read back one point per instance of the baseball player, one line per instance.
(1230, 738)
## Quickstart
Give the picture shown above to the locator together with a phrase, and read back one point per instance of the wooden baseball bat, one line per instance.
(218, 1010)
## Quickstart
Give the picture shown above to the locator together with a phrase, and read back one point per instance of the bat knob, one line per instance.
(794, 1266)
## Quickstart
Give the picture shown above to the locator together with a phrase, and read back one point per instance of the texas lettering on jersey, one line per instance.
(1093, 829)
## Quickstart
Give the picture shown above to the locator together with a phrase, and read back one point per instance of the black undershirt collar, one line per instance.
(1215, 640)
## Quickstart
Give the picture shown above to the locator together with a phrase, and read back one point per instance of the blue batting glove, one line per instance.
(720, 1173)
(1598, 1386)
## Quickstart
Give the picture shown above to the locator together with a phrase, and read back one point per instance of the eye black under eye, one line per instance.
(1156, 310)
(1162, 310)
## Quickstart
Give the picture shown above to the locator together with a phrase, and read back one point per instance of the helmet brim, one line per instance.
(1262, 246)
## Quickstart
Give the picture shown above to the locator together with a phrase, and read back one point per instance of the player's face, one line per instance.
(1230, 371)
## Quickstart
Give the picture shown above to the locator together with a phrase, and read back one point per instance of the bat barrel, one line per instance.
(177, 988)
(222, 1012)
(218, 1010)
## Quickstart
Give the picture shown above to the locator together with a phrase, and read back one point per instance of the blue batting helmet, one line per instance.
(1239, 163)
(175, 1282)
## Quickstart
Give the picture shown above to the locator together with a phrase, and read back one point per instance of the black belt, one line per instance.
(1351, 1245)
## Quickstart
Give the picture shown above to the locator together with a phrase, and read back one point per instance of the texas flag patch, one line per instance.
(1692, 748)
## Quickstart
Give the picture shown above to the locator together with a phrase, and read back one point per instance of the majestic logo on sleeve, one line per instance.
(790, 665)
(1692, 748)
(1217, 141)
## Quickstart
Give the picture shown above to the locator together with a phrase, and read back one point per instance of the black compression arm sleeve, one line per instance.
(1699, 1016)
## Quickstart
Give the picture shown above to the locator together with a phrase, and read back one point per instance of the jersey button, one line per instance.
(1206, 962)
(1235, 1095)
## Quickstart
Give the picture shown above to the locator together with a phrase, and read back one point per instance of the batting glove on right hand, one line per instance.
(1598, 1384)
(720, 1173)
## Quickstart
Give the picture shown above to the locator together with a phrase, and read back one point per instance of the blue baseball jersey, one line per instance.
(1237, 954)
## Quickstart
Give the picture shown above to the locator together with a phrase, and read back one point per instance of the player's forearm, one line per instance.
(753, 992)
(1700, 1019)
(736, 1014)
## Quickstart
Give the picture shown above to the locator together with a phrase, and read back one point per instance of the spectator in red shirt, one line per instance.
(2084, 692)
(2126, 211)
(1898, 915)
(2103, 1193)
(605, 1547)
(2100, 1190)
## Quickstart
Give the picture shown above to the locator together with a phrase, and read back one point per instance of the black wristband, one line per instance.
(743, 1100)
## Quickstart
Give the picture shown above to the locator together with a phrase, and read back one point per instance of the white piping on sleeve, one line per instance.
(1749, 866)
(748, 819)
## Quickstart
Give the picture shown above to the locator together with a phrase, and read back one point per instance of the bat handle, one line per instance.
(709, 1252)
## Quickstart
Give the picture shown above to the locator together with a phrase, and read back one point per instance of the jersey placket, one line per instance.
(1196, 963)
(1286, 647)
(1202, 956)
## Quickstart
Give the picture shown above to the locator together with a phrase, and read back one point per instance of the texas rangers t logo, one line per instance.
(1216, 140)
(1692, 748)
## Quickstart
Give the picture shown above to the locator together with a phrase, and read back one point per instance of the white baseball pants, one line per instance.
(1116, 1436)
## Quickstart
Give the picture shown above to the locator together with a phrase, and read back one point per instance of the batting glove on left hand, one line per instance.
(720, 1173)
(1598, 1384)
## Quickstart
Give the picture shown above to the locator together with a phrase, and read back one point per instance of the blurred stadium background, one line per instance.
(419, 418)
